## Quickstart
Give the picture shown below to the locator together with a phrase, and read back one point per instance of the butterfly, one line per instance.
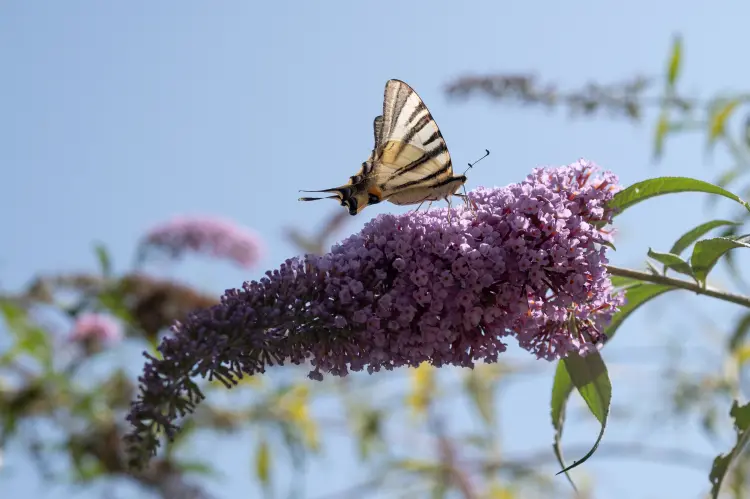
(410, 162)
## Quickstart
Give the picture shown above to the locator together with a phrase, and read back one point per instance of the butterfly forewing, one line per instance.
(413, 152)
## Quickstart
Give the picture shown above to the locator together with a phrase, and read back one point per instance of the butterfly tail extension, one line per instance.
(352, 197)
(316, 199)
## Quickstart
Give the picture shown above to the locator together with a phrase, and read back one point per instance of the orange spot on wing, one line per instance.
(375, 191)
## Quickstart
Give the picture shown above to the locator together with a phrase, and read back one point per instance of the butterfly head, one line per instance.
(358, 198)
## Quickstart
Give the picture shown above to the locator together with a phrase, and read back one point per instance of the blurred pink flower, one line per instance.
(213, 236)
(95, 327)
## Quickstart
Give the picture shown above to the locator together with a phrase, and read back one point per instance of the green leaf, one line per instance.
(735, 273)
(708, 251)
(197, 467)
(722, 462)
(368, 428)
(671, 261)
(562, 387)
(608, 244)
(589, 375)
(662, 128)
(696, 233)
(624, 282)
(673, 69)
(740, 332)
(28, 338)
(105, 263)
(263, 463)
(635, 296)
(718, 119)
(481, 389)
(665, 185)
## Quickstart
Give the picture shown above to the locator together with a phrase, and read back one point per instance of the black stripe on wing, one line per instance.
(377, 129)
(427, 156)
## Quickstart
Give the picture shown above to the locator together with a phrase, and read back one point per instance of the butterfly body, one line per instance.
(409, 163)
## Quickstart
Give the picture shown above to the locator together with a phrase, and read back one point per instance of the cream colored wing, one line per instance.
(411, 151)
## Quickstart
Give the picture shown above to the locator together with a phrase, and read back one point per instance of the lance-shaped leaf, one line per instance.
(624, 282)
(635, 295)
(671, 261)
(696, 233)
(675, 58)
(105, 262)
(562, 387)
(717, 122)
(740, 332)
(708, 251)
(263, 463)
(731, 232)
(589, 375)
(662, 128)
(741, 416)
(647, 189)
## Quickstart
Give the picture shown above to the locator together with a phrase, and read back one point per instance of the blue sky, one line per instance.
(116, 116)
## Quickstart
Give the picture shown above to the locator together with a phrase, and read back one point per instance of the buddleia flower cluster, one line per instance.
(208, 235)
(528, 261)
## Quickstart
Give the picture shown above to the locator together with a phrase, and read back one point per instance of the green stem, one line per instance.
(679, 283)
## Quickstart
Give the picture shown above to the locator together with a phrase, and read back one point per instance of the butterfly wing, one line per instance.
(411, 152)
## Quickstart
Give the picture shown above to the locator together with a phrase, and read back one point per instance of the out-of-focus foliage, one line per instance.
(61, 394)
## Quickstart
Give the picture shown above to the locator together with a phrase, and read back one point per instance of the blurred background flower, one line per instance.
(208, 235)
(94, 331)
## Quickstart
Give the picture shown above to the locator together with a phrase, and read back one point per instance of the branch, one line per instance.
(679, 283)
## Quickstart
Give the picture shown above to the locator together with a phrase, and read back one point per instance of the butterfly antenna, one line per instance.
(471, 165)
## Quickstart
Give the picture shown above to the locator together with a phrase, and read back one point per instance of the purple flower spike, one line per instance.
(528, 263)
(219, 238)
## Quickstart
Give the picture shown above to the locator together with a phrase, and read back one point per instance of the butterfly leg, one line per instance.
(448, 200)
(420, 205)
(469, 202)
(472, 205)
